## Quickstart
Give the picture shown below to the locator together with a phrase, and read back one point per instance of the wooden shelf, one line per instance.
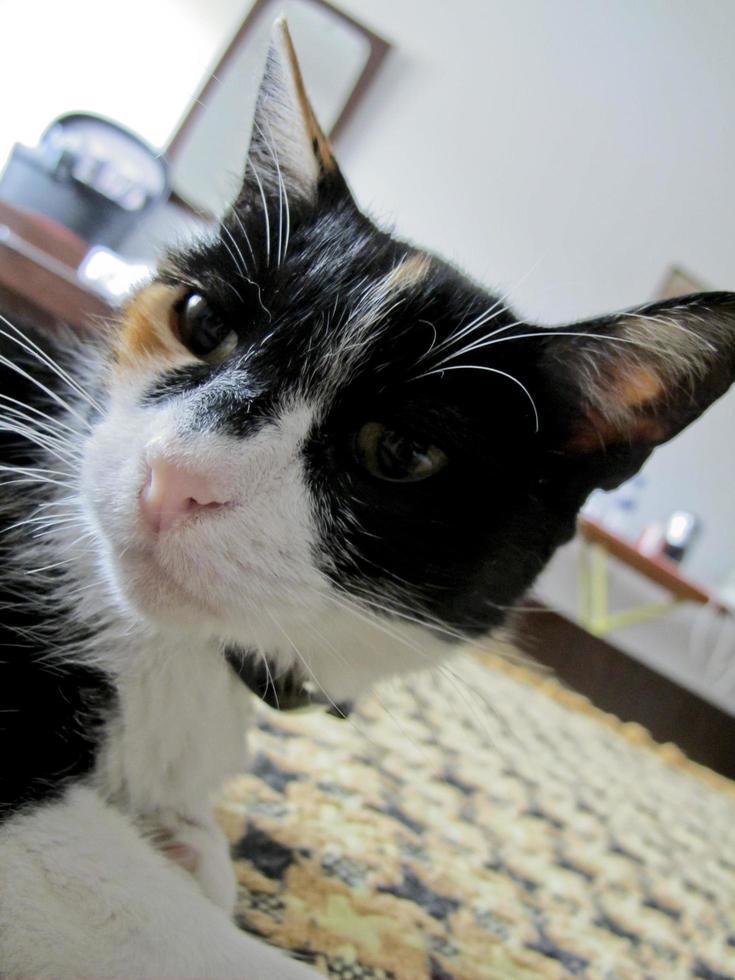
(660, 570)
(38, 280)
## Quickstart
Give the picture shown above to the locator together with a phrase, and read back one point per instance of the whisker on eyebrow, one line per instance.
(432, 345)
(241, 267)
(480, 321)
(282, 193)
(265, 211)
(242, 228)
(542, 335)
(282, 198)
(491, 370)
(485, 317)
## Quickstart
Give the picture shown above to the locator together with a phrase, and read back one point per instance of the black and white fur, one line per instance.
(122, 708)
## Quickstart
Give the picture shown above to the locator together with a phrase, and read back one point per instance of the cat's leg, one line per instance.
(196, 843)
(83, 894)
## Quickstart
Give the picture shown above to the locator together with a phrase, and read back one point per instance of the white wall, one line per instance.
(581, 144)
(137, 61)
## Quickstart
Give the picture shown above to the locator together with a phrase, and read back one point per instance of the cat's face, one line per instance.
(324, 442)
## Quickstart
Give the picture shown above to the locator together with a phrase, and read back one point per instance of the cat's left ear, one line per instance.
(616, 387)
(289, 155)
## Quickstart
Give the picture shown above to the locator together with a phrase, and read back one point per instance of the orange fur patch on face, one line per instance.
(410, 272)
(148, 329)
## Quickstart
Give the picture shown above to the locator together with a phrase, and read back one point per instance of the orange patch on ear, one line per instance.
(148, 329)
(319, 142)
(637, 387)
(596, 432)
(620, 421)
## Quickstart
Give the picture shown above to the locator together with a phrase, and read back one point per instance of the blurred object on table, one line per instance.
(89, 174)
(682, 529)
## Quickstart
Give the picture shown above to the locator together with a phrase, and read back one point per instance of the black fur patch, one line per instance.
(284, 692)
(51, 711)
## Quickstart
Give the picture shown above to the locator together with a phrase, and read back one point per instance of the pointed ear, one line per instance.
(289, 154)
(624, 384)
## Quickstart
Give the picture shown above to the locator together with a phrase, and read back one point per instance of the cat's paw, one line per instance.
(199, 847)
(214, 869)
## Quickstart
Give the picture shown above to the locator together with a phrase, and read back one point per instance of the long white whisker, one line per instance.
(304, 662)
(37, 476)
(349, 607)
(270, 679)
(479, 321)
(234, 262)
(436, 625)
(30, 347)
(37, 411)
(374, 692)
(483, 367)
(11, 419)
(485, 317)
(281, 187)
(479, 344)
(45, 520)
(14, 417)
(241, 267)
(52, 394)
(236, 216)
(48, 568)
(37, 438)
(265, 213)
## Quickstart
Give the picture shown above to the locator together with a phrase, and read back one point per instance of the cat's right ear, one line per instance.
(289, 156)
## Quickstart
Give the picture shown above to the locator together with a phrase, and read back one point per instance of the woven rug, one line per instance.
(483, 824)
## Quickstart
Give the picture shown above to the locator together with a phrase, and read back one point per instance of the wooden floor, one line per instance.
(618, 683)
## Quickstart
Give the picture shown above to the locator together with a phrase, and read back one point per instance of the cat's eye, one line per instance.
(202, 331)
(393, 456)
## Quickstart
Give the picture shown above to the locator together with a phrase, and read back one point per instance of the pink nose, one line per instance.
(172, 494)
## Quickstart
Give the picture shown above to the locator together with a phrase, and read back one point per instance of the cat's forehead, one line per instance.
(347, 318)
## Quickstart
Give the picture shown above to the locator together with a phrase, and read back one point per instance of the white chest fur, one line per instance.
(179, 731)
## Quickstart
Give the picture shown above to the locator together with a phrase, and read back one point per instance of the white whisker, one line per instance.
(241, 267)
(265, 213)
(30, 347)
(542, 335)
(483, 367)
(236, 216)
(37, 411)
(42, 387)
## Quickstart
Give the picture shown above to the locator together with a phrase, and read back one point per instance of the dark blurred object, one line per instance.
(90, 175)
(681, 530)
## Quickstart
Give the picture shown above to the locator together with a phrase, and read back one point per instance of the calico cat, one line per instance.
(308, 456)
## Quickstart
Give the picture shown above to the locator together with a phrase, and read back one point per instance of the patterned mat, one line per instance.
(483, 824)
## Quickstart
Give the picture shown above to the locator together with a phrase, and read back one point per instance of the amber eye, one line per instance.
(202, 331)
(390, 455)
